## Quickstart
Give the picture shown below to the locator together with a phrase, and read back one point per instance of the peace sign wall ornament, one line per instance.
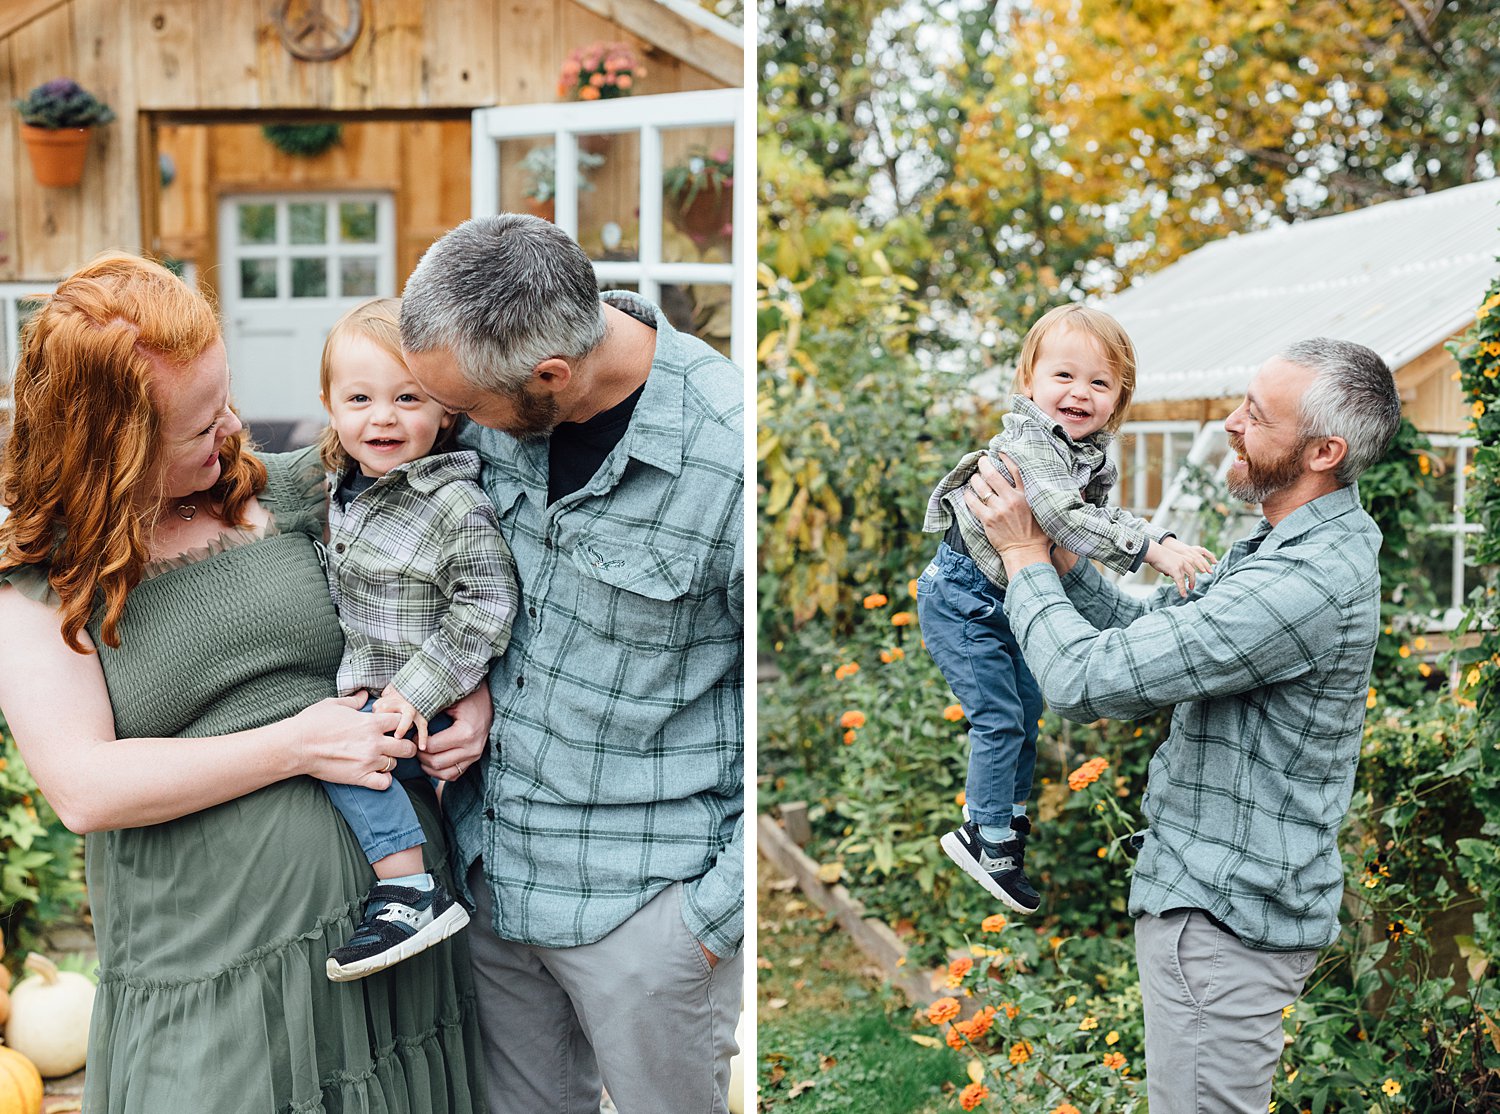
(311, 31)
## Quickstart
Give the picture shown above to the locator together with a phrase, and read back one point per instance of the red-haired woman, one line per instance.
(167, 669)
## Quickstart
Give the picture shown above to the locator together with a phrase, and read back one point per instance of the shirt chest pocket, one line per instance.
(634, 595)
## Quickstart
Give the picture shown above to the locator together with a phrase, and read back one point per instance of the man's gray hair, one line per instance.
(1352, 395)
(503, 294)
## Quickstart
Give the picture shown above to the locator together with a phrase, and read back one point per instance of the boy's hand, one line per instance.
(392, 701)
(1171, 557)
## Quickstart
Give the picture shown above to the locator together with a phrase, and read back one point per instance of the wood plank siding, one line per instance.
(196, 80)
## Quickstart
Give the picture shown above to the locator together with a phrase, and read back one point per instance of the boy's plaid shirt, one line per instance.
(1067, 484)
(1268, 663)
(616, 761)
(424, 584)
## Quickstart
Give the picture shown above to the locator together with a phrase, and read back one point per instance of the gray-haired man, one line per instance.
(601, 838)
(1238, 883)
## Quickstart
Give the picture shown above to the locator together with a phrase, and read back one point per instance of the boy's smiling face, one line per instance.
(1073, 383)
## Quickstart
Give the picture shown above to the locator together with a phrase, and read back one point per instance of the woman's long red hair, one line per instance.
(79, 468)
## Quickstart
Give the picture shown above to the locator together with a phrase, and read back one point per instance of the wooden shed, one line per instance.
(1403, 277)
(422, 92)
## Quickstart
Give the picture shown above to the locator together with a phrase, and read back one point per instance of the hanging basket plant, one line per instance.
(55, 122)
(304, 141)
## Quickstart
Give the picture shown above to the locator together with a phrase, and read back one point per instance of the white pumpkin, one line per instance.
(49, 1017)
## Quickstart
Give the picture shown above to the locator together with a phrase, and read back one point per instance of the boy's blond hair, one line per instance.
(379, 321)
(1102, 327)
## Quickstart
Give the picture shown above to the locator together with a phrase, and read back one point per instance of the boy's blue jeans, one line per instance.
(964, 625)
(383, 820)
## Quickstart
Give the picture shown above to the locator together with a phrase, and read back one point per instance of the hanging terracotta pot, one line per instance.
(57, 154)
(547, 210)
(706, 217)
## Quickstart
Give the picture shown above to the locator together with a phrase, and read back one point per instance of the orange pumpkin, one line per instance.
(20, 1084)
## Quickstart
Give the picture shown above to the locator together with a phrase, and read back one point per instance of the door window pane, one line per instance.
(357, 277)
(309, 222)
(257, 278)
(309, 278)
(357, 222)
(257, 224)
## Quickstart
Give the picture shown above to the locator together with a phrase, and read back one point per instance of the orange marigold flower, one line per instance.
(901, 619)
(849, 736)
(895, 653)
(1066, 1108)
(960, 967)
(1087, 774)
(852, 719)
(1020, 1052)
(848, 669)
(955, 1037)
(1114, 1061)
(1088, 1023)
(973, 1095)
(911, 588)
(944, 1009)
(994, 922)
(1010, 1011)
(874, 600)
(953, 713)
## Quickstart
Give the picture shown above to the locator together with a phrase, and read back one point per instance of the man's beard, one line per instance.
(1263, 479)
(535, 416)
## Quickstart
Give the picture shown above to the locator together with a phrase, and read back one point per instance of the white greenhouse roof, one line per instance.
(1398, 277)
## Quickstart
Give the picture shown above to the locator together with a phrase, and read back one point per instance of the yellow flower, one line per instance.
(1424, 669)
(1423, 464)
(1287, 1011)
(953, 713)
(1020, 1052)
(874, 600)
(1405, 651)
(1472, 679)
(1102, 853)
(1112, 1037)
(901, 619)
(1088, 1023)
(1419, 643)
(1391, 1087)
(1370, 699)
(993, 923)
(1478, 410)
(848, 669)
(1071, 1000)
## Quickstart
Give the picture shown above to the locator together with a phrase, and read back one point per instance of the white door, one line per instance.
(291, 264)
(639, 247)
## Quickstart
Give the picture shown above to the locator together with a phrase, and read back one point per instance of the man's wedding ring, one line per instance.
(984, 496)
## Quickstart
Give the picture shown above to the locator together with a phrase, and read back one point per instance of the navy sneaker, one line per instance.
(998, 867)
(398, 923)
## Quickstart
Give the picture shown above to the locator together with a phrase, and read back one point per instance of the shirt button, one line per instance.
(547, 541)
(531, 611)
(520, 682)
(339, 548)
(489, 814)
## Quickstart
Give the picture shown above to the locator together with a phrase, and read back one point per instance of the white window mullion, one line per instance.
(651, 213)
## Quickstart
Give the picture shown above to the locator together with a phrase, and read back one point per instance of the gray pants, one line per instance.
(639, 1012)
(1213, 1014)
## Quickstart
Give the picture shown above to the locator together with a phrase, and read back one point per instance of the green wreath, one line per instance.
(302, 140)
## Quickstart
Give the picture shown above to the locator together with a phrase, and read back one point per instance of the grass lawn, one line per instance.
(831, 1036)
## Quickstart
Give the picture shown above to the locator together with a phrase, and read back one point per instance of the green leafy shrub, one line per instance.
(41, 879)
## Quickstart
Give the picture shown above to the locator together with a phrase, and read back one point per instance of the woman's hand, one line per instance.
(454, 749)
(342, 744)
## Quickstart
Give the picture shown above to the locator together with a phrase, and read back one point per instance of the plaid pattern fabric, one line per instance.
(1268, 661)
(1067, 484)
(616, 758)
(424, 583)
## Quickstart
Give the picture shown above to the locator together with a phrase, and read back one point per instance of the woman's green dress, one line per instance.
(214, 929)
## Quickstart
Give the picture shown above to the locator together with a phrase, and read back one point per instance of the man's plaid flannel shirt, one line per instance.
(1067, 484)
(424, 584)
(616, 758)
(1268, 663)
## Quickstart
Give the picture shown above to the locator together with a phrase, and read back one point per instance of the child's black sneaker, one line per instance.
(398, 922)
(998, 867)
